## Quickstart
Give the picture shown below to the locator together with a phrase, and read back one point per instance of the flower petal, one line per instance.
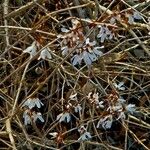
(76, 60)
(86, 58)
(87, 41)
(137, 15)
(130, 19)
(31, 49)
(59, 116)
(97, 52)
(65, 30)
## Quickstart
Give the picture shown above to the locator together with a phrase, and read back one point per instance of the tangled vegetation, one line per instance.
(75, 75)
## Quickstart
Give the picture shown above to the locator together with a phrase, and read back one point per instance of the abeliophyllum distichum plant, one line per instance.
(74, 74)
(82, 48)
(29, 114)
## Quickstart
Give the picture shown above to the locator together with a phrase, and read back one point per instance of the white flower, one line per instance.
(76, 59)
(65, 50)
(66, 117)
(54, 134)
(31, 49)
(90, 44)
(104, 33)
(36, 116)
(45, 54)
(100, 104)
(65, 30)
(73, 96)
(132, 17)
(96, 97)
(85, 136)
(90, 53)
(88, 58)
(32, 102)
(86, 52)
(121, 100)
(73, 39)
(97, 52)
(119, 86)
(121, 116)
(137, 15)
(27, 118)
(78, 108)
(130, 108)
(105, 122)
(112, 20)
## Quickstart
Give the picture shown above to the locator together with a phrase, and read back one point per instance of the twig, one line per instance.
(44, 19)
(126, 27)
(19, 89)
(140, 121)
(22, 9)
(9, 131)
(28, 29)
(24, 131)
(5, 5)
(136, 138)
(81, 14)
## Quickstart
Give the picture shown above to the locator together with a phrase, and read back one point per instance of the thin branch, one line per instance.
(5, 5)
(22, 9)
(126, 27)
(9, 131)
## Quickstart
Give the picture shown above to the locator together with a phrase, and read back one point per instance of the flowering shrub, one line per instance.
(82, 49)
(74, 75)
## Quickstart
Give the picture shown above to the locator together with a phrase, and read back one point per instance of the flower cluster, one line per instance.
(77, 106)
(72, 106)
(32, 50)
(88, 53)
(29, 115)
(78, 46)
(116, 108)
(66, 117)
(105, 122)
(33, 102)
(94, 99)
(105, 34)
